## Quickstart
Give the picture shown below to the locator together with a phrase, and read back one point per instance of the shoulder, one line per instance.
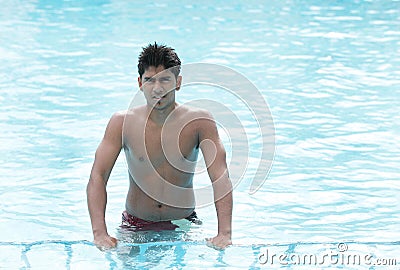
(118, 118)
(116, 121)
(134, 116)
(196, 113)
(200, 119)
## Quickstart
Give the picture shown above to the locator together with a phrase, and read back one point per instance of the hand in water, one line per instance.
(219, 242)
(105, 242)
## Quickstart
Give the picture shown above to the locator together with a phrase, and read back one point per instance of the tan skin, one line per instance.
(161, 141)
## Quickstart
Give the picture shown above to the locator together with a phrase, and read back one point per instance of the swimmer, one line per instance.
(161, 141)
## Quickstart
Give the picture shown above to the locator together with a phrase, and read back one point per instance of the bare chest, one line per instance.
(172, 145)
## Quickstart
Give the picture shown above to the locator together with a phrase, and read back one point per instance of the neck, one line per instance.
(159, 116)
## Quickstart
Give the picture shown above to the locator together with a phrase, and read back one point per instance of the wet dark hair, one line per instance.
(155, 55)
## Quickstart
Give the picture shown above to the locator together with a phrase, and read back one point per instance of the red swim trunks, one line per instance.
(138, 224)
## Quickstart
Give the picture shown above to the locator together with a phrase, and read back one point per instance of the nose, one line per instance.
(157, 87)
(157, 82)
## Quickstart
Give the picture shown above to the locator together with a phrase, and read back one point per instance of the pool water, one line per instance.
(329, 71)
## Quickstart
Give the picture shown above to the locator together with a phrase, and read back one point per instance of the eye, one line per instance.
(165, 79)
(150, 80)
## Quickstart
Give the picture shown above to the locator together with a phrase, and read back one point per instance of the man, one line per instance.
(161, 140)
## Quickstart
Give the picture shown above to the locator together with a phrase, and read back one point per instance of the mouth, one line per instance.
(158, 98)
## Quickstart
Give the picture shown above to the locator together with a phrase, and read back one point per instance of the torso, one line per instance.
(161, 162)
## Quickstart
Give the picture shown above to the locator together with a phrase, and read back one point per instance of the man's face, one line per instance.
(158, 86)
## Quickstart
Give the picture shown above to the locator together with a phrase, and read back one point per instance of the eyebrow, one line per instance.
(163, 77)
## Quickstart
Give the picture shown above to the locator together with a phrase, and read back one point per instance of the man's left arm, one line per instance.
(215, 159)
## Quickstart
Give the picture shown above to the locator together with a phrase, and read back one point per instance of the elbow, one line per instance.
(220, 176)
(89, 186)
(94, 183)
(222, 186)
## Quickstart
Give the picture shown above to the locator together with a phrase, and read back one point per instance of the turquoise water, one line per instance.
(329, 71)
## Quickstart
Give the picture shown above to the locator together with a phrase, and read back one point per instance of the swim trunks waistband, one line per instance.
(132, 222)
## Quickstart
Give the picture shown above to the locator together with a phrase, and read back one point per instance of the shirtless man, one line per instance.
(161, 141)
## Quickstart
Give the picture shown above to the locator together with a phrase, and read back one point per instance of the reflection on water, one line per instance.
(151, 255)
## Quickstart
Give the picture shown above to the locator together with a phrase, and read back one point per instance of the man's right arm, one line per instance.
(106, 155)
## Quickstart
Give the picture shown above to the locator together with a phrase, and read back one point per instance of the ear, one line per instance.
(178, 83)
(139, 79)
